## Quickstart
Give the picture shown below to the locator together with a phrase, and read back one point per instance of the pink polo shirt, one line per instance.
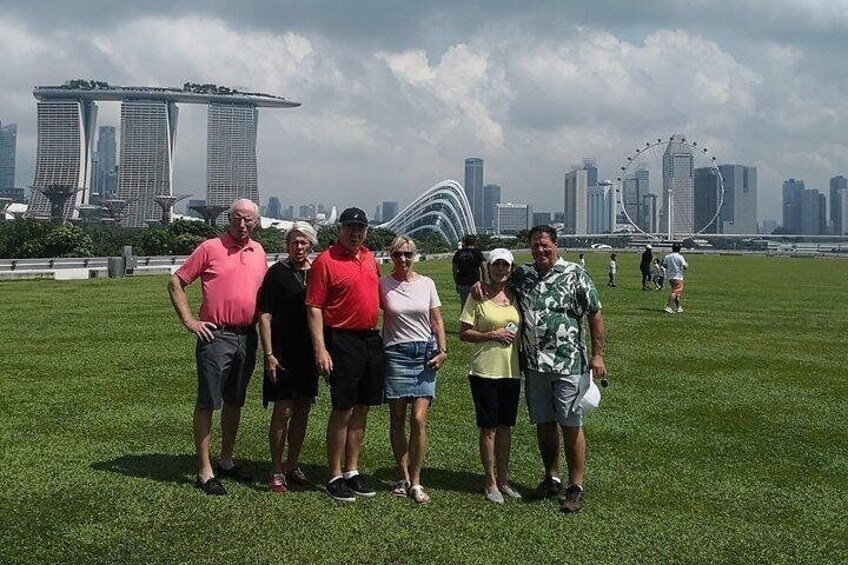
(230, 277)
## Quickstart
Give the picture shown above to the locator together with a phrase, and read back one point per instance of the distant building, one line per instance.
(839, 205)
(194, 202)
(491, 198)
(634, 189)
(678, 187)
(17, 195)
(541, 218)
(104, 178)
(148, 128)
(8, 150)
(813, 213)
(793, 193)
(231, 153)
(768, 226)
(739, 211)
(575, 192)
(307, 212)
(559, 217)
(512, 218)
(707, 191)
(650, 213)
(63, 154)
(474, 187)
(600, 208)
(390, 210)
(274, 209)
(591, 169)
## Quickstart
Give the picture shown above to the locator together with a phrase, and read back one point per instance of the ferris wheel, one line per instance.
(670, 186)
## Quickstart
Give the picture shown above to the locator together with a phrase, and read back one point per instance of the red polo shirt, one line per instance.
(346, 287)
(230, 277)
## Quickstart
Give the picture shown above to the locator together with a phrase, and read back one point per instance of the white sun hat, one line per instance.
(590, 395)
(501, 254)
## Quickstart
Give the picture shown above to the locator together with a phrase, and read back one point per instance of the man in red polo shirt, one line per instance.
(343, 305)
(231, 269)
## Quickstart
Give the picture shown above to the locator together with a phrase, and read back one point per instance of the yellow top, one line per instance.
(492, 359)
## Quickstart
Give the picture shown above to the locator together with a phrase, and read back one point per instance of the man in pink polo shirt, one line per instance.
(343, 304)
(231, 269)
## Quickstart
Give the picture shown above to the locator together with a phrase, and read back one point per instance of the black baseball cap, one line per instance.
(354, 216)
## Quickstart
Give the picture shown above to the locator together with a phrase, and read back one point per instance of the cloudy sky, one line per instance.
(397, 94)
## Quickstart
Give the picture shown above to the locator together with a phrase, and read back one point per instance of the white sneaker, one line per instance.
(680, 309)
(495, 497)
(669, 310)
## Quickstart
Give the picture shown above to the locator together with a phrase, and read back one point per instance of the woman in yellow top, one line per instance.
(493, 323)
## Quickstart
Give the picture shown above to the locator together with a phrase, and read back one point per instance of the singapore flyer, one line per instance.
(669, 188)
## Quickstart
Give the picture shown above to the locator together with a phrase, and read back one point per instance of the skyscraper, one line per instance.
(838, 200)
(739, 211)
(231, 153)
(8, 149)
(148, 130)
(813, 212)
(491, 199)
(474, 187)
(707, 189)
(512, 218)
(390, 210)
(678, 187)
(575, 192)
(793, 193)
(275, 209)
(600, 208)
(63, 154)
(591, 171)
(649, 221)
(104, 179)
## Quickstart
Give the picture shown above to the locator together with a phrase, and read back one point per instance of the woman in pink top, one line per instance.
(415, 348)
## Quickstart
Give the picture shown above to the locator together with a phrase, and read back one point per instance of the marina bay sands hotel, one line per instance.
(67, 117)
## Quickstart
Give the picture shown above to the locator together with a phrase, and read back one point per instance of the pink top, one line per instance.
(230, 277)
(406, 309)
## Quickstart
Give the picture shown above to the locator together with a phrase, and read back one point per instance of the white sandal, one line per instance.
(417, 494)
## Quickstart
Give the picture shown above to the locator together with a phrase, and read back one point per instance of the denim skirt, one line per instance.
(407, 375)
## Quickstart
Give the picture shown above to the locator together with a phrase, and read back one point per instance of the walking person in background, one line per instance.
(658, 273)
(415, 348)
(231, 269)
(291, 379)
(492, 322)
(675, 265)
(645, 266)
(582, 260)
(468, 265)
(342, 308)
(613, 270)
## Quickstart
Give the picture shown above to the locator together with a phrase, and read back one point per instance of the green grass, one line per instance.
(723, 437)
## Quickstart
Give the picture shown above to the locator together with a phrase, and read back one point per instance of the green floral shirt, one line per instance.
(552, 307)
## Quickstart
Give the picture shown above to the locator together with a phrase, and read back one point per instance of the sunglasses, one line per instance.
(404, 254)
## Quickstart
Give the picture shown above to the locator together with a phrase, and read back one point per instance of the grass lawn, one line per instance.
(723, 437)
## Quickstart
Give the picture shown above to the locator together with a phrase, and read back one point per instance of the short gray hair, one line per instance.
(400, 241)
(244, 202)
(305, 229)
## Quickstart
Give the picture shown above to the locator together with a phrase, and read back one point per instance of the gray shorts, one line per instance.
(224, 367)
(551, 397)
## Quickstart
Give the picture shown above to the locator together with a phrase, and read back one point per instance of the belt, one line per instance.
(240, 330)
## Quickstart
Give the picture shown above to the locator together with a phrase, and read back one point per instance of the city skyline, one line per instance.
(396, 99)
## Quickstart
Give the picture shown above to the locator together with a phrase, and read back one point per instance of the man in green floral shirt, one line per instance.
(554, 296)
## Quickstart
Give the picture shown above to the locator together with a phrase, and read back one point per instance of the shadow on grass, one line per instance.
(179, 469)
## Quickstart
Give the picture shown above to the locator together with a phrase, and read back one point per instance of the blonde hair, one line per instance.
(400, 241)
(305, 229)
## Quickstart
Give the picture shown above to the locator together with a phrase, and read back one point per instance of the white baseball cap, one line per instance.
(590, 396)
(501, 254)
(649, 246)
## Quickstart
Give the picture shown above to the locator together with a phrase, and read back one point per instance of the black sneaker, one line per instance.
(357, 484)
(339, 490)
(235, 473)
(211, 487)
(550, 487)
(573, 500)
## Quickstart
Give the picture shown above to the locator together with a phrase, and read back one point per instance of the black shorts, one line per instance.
(357, 377)
(495, 401)
(224, 367)
(297, 381)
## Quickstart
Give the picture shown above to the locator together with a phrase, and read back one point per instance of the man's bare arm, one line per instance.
(597, 331)
(179, 300)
